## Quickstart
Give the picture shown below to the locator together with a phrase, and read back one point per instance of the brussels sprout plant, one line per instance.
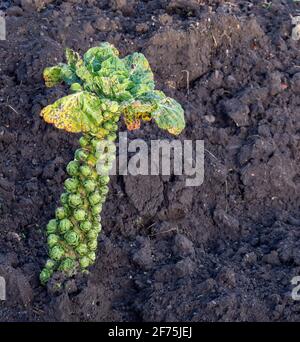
(102, 88)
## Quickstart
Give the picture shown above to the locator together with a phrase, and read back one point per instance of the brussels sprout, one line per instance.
(73, 167)
(64, 225)
(75, 200)
(104, 169)
(116, 118)
(71, 184)
(82, 249)
(95, 143)
(50, 264)
(56, 253)
(96, 218)
(92, 234)
(84, 262)
(85, 226)
(67, 210)
(104, 180)
(92, 245)
(64, 198)
(92, 256)
(89, 185)
(51, 226)
(60, 213)
(110, 158)
(111, 148)
(85, 170)
(45, 275)
(114, 107)
(79, 215)
(84, 141)
(108, 125)
(96, 209)
(111, 137)
(95, 198)
(97, 227)
(81, 155)
(101, 156)
(106, 114)
(103, 199)
(67, 265)
(94, 175)
(91, 160)
(115, 126)
(108, 164)
(52, 240)
(104, 190)
(72, 238)
(75, 87)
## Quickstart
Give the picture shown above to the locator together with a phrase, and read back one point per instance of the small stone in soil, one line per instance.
(184, 267)
(237, 111)
(183, 246)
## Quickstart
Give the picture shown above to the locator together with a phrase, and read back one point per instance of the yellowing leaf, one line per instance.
(52, 76)
(79, 112)
(59, 73)
(103, 81)
(169, 115)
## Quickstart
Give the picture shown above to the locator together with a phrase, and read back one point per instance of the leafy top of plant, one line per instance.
(102, 80)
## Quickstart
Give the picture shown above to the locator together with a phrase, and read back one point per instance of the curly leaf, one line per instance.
(169, 115)
(103, 75)
(113, 66)
(52, 76)
(79, 112)
(77, 65)
(152, 97)
(83, 73)
(95, 56)
(72, 58)
(75, 88)
(141, 76)
(137, 108)
(113, 87)
(58, 74)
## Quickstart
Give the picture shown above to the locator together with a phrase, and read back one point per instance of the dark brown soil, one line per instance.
(224, 251)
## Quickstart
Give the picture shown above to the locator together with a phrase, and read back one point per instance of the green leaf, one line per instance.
(76, 65)
(136, 107)
(83, 73)
(68, 75)
(113, 87)
(57, 74)
(152, 96)
(104, 76)
(113, 66)
(72, 58)
(95, 56)
(140, 74)
(169, 115)
(52, 76)
(75, 87)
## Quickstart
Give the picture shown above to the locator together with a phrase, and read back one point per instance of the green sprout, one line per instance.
(102, 88)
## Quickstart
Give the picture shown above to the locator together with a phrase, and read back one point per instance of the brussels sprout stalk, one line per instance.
(103, 87)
